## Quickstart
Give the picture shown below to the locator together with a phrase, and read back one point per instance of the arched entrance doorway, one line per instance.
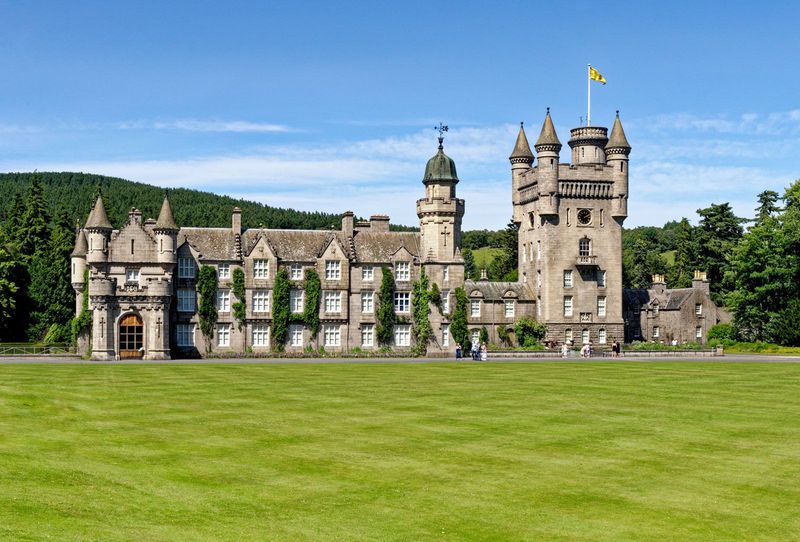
(131, 337)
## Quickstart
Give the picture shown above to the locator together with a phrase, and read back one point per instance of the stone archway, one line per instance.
(131, 337)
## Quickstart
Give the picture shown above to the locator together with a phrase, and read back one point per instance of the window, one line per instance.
(261, 301)
(296, 300)
(185, 268)
(601, 279)
(295, 271)
(367, 273)
(132, 275)
(568, 305)
(445, 336)
(655, 309)
(261, 335)
(446, 273)
(509, 308)
(584, 247)
(333, 302)
(698, 309)
(260, 269)
(524, 278)
(698, 332)
(446, 301)
(538, 279)
(367, 335)
(568, 216)
(133, 243)
(585, 336)
(475, 336)
(539, 307)
(296, 335)
(601, 336)
(538, 250)
(223, 300)
(402, 271)
(601, 306)
(224, 270)
(524, 252)
(224, 335)
(402, 302)
(402, 335)
(333, 269)
(568, 335)
(475, 308)
(656, 332)
(185, 335)
(332, 335)
(568, 279)
(186, 300)
(367, 302)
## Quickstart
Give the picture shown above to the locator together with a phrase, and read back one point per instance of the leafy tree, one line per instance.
(420, 305)
(718, 233)
(207, 311)
(484, 335)
(681, 272)
(646, 261)
(385, 316)
(470, 270)
(722, 332)
(281, 311)
(529, 331)
(311, 308)
(458, 327)
(783, 327)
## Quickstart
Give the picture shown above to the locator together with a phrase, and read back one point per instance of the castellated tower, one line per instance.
(440, 213)
(570, 229)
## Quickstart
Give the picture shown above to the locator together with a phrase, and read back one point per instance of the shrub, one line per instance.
(529, 332)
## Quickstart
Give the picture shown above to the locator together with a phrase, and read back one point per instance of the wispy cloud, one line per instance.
(193, 125)
(773, 124)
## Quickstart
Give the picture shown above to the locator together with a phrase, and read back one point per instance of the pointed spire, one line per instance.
(98, 218)
(522, 150)
(81, 246)
(617, 140)
(165, 219)
(548, 137)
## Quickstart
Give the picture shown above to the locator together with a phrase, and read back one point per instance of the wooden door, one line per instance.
(131, 337)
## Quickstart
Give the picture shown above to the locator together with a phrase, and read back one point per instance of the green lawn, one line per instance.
(445, 451)
(484, 256)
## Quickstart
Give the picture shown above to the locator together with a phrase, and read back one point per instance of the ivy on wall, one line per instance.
(240, 307)
(312, 287)
(435, 297)
(458, 327)
(83, 321)
(385, 317)
(420, 305)
(280, 309)
(207, 312)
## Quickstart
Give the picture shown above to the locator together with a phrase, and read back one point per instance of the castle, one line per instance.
(142, 278)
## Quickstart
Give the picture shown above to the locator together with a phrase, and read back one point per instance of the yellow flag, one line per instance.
(594, 74)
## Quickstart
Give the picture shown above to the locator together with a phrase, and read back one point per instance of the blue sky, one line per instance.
(331, 105)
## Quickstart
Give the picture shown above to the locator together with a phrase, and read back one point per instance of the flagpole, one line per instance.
(589, 96)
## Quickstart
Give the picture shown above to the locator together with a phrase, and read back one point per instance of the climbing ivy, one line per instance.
(384, 328)
(240, 307)
(207, 312)
(458, 328)
(420, 305)
(280, 309)
(435, 297)
(83, 321)
(311, 310)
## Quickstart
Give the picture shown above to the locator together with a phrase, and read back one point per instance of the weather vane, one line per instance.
(442, 128)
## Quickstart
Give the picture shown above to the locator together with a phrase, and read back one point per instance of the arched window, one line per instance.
(584, 247)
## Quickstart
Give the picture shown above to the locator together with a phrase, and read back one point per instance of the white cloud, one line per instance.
(773, 124)
(193, 125)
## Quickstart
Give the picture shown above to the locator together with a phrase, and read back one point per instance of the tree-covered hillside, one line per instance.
(75, 192)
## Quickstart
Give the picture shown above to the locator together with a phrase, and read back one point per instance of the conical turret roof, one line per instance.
(548, 134)
(440, 167)
(617, 140)
(81, 246)
(522, 150)
(165, 219)
(98, 217)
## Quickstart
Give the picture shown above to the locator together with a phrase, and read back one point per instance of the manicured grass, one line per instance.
(484, 256)
(528, 451)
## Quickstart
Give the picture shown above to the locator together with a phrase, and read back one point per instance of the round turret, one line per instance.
(617, 151)
(166, 232)
(98, 231)
(548, 148)
(588, 144)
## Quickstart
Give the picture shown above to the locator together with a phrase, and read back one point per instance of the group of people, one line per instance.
(588, 349)
(478, 352)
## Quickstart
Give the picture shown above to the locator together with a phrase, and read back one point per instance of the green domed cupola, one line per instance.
(441, 167)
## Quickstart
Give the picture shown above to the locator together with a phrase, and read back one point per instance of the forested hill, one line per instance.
(75, 191)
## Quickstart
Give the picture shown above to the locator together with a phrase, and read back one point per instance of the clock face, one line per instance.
(584, 217)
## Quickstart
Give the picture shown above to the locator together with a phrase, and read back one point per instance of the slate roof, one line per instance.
(165, 219)
(379, 247)
(521, 149)
(81, 246)
(548, 134)
(493, 291)
(617, 139)
(98, 218)
(675, 298)
(211, 243)
(293, 245)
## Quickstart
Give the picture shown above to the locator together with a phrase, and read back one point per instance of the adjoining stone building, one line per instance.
(142, 286)
(671, 315)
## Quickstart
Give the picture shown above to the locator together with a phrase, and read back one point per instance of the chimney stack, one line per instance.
(347, 223)
(236, 221)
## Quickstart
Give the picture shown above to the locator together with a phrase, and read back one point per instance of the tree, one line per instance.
(34, 230)
(384, 328)
(14, 218)
(646, 261)
(767, 205)
(281, 311)
(8, 288)
(458, 327)
(681, 272)
(718, 233)
(470, 270)
(529, 332)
